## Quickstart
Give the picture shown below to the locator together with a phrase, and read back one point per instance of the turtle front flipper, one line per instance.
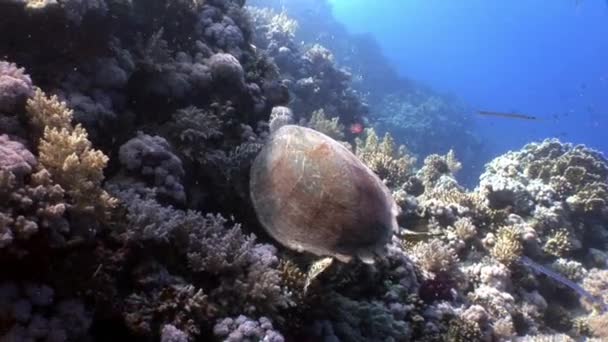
(315, 270)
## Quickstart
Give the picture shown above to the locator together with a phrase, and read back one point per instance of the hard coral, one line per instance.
(331, 127)
(227, 70)
(390, 164)
(67, 154)
(435, 256)
(15, 87)
(151, 156)
(507, 248)
(28, 209)
(35, 313)
(279, 117)
(245, 329)
(15, 158)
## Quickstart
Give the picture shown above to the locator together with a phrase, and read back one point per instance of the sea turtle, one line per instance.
(313, 195)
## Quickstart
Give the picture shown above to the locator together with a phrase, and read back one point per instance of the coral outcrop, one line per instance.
(128, 131)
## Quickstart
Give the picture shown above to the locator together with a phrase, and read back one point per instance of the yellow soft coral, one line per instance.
(48, 112)
(66, 152)
(392, 165)
(508, 247)
(331, 127)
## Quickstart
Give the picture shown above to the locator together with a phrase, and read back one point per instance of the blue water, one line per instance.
(545, 58)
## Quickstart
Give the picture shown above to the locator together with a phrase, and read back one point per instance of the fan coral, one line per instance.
(15, 86)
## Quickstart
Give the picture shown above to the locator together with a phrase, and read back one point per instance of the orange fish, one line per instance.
(356, 128)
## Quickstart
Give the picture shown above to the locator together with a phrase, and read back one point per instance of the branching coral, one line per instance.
(274, 26)
(151, 156)
(35, 313)
(558, 244)
(248, 274)
(15, 86)
(279, 117)
(28, 209)
(460, 331)
(435, 256)
(15, 158)
(195, 126)
(391, 165)
(215, 249)
(245, 329)
(67, 154)
(507, 247)
(331, 127)
(182, 306)
(364, 321)
(436, 166)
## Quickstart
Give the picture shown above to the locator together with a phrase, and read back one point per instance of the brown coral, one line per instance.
(435, 256)
(67, 154)
(392, 165)
(507, 247)
(330, 127)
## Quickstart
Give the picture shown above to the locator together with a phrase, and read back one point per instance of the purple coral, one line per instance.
(220, 29)
(172, 334)
(245, 329)
(15, 86)
(151, 156)
(35, 315)
(15, 158)
(226, 69)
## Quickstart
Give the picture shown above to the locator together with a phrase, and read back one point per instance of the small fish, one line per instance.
(356, 128)
(508, 115)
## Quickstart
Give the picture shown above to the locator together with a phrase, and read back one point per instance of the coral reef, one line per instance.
(128, 130)
(15, 86)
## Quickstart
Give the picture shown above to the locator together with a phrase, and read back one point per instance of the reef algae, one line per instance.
(312, 194)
